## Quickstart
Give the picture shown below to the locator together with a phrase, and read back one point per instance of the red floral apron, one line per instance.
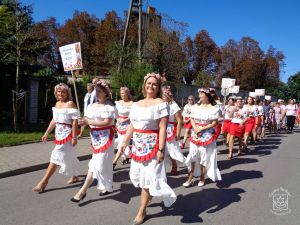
(144, 144)
(171, 131)
(205, 137)
(122, 127)
(63, 133)
(101, 138)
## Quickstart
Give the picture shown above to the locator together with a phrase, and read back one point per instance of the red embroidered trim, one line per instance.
(67, 139)
(152, 153)
(169, 139)
(208, 142)
(108, 143)
(64, 141)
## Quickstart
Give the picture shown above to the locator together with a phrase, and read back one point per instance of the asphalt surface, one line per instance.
(243, 197)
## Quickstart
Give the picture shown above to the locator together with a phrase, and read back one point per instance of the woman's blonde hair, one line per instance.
(159, 79)
(127, 90)
(62, 86)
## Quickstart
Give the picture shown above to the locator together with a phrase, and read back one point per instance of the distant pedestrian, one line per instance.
(65, 115)
(123, 107)
(291, 113)
(187, 119)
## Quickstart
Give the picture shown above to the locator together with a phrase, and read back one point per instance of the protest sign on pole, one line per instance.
(234, 89)
(252, 94)
(227, 82)
(71, 59)
(268, 97)
(259, 92)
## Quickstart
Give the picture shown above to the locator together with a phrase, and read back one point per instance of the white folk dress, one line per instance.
(203, 147)
(123, 113)
(101, 164)
(145, 171)
(172, 146)
(64, 154)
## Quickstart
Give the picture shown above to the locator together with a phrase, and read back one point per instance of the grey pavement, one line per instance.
(243, 197)
(25, 158)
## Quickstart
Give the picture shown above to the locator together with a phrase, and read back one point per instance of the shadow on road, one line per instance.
(210, 200)
(237, 176)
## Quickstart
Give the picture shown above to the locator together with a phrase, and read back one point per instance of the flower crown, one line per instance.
(155, 75)
(205, 90)
(104, 84)
(167, 90)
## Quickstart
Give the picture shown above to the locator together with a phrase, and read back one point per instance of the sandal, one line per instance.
(73, 180)
(174, 170)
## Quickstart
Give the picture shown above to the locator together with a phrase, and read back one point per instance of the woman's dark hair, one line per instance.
(211, 100)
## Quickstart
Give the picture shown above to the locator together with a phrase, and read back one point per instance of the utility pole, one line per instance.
(140, 31)
(135, 3)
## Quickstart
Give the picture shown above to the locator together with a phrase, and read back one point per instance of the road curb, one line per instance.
(42, 166)
(35, 167)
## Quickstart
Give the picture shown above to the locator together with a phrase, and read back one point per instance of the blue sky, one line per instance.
(270, 22)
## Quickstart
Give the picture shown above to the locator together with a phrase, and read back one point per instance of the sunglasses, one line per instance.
(191, 99)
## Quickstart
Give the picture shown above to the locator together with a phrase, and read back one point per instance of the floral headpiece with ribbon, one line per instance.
(155, 75)
(205, 90)
(105, 84)
(167, 90)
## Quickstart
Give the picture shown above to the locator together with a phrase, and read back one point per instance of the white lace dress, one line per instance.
(64, 154)
(101, 164)
(123, 113)
(203, 147)
(145, 172)
(172, 146)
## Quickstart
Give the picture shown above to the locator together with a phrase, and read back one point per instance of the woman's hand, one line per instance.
(122, 147)
(82, 122)
(198, 130)
(74, 141)
(45, 137)
(160, 156)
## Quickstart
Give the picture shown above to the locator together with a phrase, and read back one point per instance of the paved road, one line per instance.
(241, 198)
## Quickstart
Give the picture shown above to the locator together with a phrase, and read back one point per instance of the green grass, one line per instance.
(10, 138)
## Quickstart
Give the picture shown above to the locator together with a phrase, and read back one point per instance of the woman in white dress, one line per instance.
(173, 152)
(203, 147)
(149, 119)
(65, 115)
(123, 108)
(100, 117)
(187, 119)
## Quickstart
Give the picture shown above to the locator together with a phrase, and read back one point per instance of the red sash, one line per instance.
(171, 131)
(101, 138)
(205, 137)
(144, 144)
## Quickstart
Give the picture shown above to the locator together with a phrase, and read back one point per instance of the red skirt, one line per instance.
(187, 125)
(258, 122)
(226, 126)
(249, 124)
(237, 130)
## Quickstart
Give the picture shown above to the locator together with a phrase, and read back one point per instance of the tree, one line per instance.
(206, 53)
(16, 24)
(107, 33)
(294, 86)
